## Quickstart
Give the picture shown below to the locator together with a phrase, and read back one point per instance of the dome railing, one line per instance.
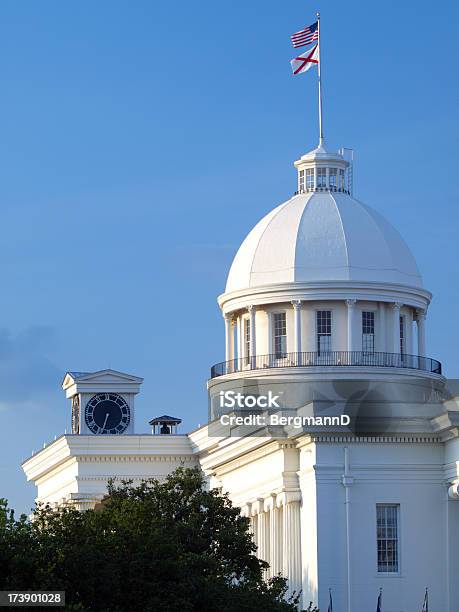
(327, 359)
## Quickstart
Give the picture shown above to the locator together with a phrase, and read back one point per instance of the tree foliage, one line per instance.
(171, 545)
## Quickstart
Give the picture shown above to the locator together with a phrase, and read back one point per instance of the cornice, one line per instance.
(446, 424)
(385, 439)
(325, 290)
(322, 373)
(93, 382)
(140, 447)
(335, 468)
(250, 446)
(119, 478)
(135, 458)
(201, 441)
(225, 465)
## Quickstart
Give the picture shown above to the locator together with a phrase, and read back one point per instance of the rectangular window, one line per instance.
(247, 339)
(323, 324)
(341, 180)
(310, 179)
(332, 176)
(301, 182)
(387, 537)
(368, 332)
(402, 335)
(280, 334)
(321, 177)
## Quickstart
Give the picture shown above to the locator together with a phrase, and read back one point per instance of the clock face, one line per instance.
(107, 413)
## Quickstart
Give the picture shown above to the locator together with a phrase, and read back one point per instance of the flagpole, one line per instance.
(319, 67)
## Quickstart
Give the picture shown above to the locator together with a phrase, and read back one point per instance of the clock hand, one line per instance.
(106, 419)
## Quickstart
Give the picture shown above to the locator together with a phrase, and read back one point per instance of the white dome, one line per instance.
(322, 237)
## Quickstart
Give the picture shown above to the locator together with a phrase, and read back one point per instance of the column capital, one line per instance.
(245, 510)
(296, 304)
(228, 316)
(257, 507)
(251, 308)
(269, 503)
(421, 313)
(396, 305)
(351, 303)
(288, 497)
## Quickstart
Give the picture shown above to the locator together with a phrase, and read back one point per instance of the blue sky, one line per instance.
(141, 141)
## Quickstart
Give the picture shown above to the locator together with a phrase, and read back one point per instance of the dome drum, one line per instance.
(348, 332)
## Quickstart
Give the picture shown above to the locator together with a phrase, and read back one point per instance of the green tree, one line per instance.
(171, 545)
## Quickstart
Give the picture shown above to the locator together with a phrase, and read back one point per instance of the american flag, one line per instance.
(306, 36)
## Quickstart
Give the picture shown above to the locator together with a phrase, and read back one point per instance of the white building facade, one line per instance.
(324, 302)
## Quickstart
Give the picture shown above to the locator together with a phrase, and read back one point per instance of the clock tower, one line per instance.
(102, 402)
(75, 468)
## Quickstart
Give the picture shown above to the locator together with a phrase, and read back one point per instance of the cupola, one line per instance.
(320, 170)
(164, 425)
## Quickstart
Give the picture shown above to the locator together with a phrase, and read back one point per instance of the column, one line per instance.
(253, 337)
(263, 536)
(275, 538)
(309, 339)
(228, 331)
(238, 341)
(270, 333)
(297, 317)
(270, 338)
(291, 536)
(420, 321)
(254, 528)
(256, 509)
(396, 327)
(232, 344)
(381, 339)
(409, 331)
(351, 327)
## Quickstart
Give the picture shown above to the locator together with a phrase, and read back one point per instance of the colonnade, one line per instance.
(276, 527)
(388, 329)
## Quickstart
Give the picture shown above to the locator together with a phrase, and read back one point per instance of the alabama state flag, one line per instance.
(304, 61)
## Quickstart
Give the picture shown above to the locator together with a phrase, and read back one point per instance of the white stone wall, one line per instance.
(407, 474)
(78, 467)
